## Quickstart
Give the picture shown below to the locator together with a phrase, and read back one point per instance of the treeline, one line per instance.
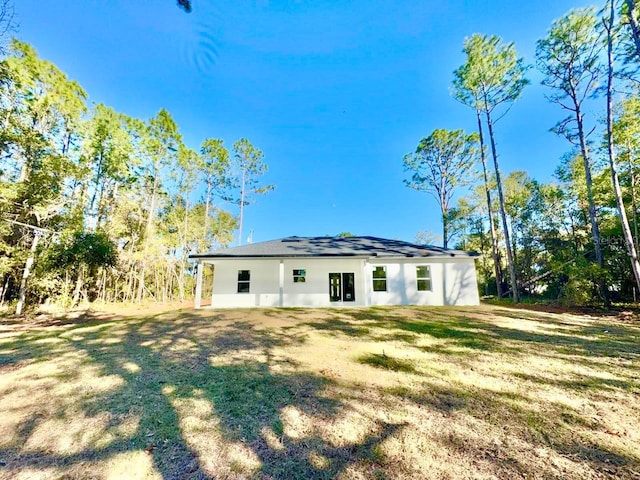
(95, 204)
(574, 239)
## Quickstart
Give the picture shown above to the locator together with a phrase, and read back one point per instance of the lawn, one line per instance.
(380, 393)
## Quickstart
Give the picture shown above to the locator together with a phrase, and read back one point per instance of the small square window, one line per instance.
(423, 277)
(299, 276)
(380, 279)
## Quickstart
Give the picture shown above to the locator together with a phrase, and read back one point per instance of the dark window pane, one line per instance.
(423, 272)
(298, 280)
(379, 272)
(244, 275)
(424, 285)
(335, 289)
(348, 287)
(299, 272)
(243, 287)
(379, 285)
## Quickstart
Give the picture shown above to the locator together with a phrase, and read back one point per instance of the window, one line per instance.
(299, 276)
(423, 275)
(244, 277)
(380, 279)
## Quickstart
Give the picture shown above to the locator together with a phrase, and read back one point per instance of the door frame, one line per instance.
(346, 284)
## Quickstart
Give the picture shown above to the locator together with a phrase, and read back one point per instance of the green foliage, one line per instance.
(214, 165)
(248, 167)
(493, 74)
(91, 249)
(386, 362)
(110, 196)
(442, 162)
(569, 57)
(244, 180)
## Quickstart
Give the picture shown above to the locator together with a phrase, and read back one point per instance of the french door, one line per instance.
(342, 287)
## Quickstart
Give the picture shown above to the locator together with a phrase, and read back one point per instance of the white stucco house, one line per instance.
(338, 271)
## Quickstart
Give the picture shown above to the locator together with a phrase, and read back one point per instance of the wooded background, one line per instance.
(97, 205)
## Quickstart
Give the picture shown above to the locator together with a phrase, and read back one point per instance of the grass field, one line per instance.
(380, 393)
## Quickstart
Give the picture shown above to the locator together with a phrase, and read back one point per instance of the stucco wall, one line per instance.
(315, 290)
(453, 282)
(264, 286)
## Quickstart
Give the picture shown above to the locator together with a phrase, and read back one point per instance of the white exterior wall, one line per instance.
(314, 291)
(453, 282)
(264, 287)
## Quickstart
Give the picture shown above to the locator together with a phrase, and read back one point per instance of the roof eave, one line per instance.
(333, 255)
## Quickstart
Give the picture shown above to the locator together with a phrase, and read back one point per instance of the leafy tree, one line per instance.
(108, 156)
(609, 25)
(626, 137)
(42, 111)
(160, 142)
(631, 15)
(247, 168)
(214, 165)
(442, 162)
(569, 59)
(7, 21)
(74, 181)
(84, 253)
(469, 94)
(492, 78)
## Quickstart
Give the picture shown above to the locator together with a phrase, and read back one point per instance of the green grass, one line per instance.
(386, 362)
(406, 392)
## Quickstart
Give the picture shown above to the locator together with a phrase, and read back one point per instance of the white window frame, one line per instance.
(424, 278)
(375, 279)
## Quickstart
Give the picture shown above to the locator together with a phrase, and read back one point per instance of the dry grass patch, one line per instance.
(383, 393)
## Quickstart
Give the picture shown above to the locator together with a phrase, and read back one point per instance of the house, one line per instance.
(338, 271)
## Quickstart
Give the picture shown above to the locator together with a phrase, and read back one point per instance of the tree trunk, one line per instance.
(503, 213)
(492, 227)
(147, 234)
(633, 24)
(445, 232)
(3, 291)
(78, 287)
(92, 202)
(241, 209)
(183, 257)
(628, 238)
(22, 294)
(207, 206)
(634, 201)
(595, 229)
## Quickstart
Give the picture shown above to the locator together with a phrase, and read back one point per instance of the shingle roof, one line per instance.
(334, 247)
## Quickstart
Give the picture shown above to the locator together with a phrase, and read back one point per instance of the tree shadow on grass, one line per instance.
(482, 333)
(559, 427)
(163, 365)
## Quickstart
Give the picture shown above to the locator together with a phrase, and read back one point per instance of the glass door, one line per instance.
(348, 287)
(342, 287)
(335, 287)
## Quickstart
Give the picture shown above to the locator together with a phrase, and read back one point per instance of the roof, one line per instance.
(333, 247)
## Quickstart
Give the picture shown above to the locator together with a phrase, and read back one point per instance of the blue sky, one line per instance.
(333, 92)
